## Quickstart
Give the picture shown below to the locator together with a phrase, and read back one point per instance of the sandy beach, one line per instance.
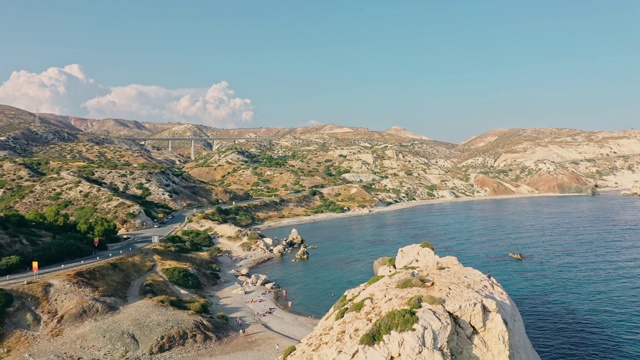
(399, 206)
(266, 334)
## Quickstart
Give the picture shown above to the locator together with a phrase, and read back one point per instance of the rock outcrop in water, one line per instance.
(427, 307)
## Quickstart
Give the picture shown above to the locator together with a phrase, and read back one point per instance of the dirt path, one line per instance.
(133, 294)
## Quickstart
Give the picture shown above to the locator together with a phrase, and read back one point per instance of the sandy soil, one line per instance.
(266, 335)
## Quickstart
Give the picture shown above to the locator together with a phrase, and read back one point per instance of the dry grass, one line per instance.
(113, 278)
(155, 285)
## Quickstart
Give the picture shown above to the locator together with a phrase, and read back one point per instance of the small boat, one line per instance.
(517, 256)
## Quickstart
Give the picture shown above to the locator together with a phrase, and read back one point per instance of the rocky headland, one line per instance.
(420, 306)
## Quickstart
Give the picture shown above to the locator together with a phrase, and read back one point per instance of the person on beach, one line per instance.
(289, 303)
(277, 348)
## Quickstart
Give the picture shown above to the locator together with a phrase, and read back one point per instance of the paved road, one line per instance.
(139, 239)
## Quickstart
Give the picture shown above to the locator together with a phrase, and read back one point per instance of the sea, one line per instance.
(578, 288)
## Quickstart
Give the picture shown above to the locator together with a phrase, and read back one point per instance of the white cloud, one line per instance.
(69, 91)
(313, 123)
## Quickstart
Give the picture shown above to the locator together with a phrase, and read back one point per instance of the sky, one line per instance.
(448, 70)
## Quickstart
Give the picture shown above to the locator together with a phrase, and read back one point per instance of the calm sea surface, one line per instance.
(578, 289)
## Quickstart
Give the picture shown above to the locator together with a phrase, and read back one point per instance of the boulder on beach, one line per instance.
(239, 290)
(268, 241)
(279, 250)
(244, 271)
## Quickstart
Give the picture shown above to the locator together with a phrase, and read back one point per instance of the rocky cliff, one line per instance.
(421, 306)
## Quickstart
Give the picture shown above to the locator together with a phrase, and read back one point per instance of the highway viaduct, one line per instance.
(193, 140)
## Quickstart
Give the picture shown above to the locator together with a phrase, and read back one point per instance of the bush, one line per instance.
(199, 237)
(374, 279)
(6, 300)
(222, 316)
(340, 302)
(415, 302)
(215, 267)
(391, 262)
(356, 307)
(215, 250)
(417, 281)
(253, 235)
(433, 300)
(314, 192)
(341, 312)
(200, 306)
(426, 244)
(395, 320)
(290, 349)
(182, 277)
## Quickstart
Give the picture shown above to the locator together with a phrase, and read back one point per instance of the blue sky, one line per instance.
(446, 70)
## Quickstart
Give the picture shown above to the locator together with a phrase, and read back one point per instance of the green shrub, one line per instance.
(391, 262)
(433, 300)
(405, 283)
(182, 277)
(426, 244)
(356, 307)
(6, 300)
(288, 351)
(314, 192)
(253, 235)
(415, 302)
(215, 267)
(395, 320)
(417, 281)
(199, 237)
(200, 306)
(374, 279)
(341, 312)
(222, 316)
(340, 302)
(214, 250)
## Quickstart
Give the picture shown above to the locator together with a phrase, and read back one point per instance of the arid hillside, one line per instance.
(49, 158)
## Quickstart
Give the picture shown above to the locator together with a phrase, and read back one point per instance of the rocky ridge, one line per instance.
(454, 312)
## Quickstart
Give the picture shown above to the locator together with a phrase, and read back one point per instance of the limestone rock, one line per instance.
(460, 314)
(303, 253)
(294, 239)
(239, 290)
(268, 241)
(278, 250)
(379, 263)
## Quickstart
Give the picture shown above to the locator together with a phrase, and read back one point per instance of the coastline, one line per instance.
(269, 334)
(399, 206)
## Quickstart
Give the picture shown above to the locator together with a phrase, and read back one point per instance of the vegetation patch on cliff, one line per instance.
(396, 320)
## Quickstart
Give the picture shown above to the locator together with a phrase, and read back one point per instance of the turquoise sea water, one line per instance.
(578, 289)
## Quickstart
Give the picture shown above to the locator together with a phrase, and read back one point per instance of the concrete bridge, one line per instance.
(193, 140)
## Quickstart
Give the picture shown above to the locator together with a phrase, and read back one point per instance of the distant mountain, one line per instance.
(396, 130)
(50, 152)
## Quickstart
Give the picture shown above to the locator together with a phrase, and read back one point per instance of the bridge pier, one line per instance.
(193, 149)
(169, 145)
(213, 145)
